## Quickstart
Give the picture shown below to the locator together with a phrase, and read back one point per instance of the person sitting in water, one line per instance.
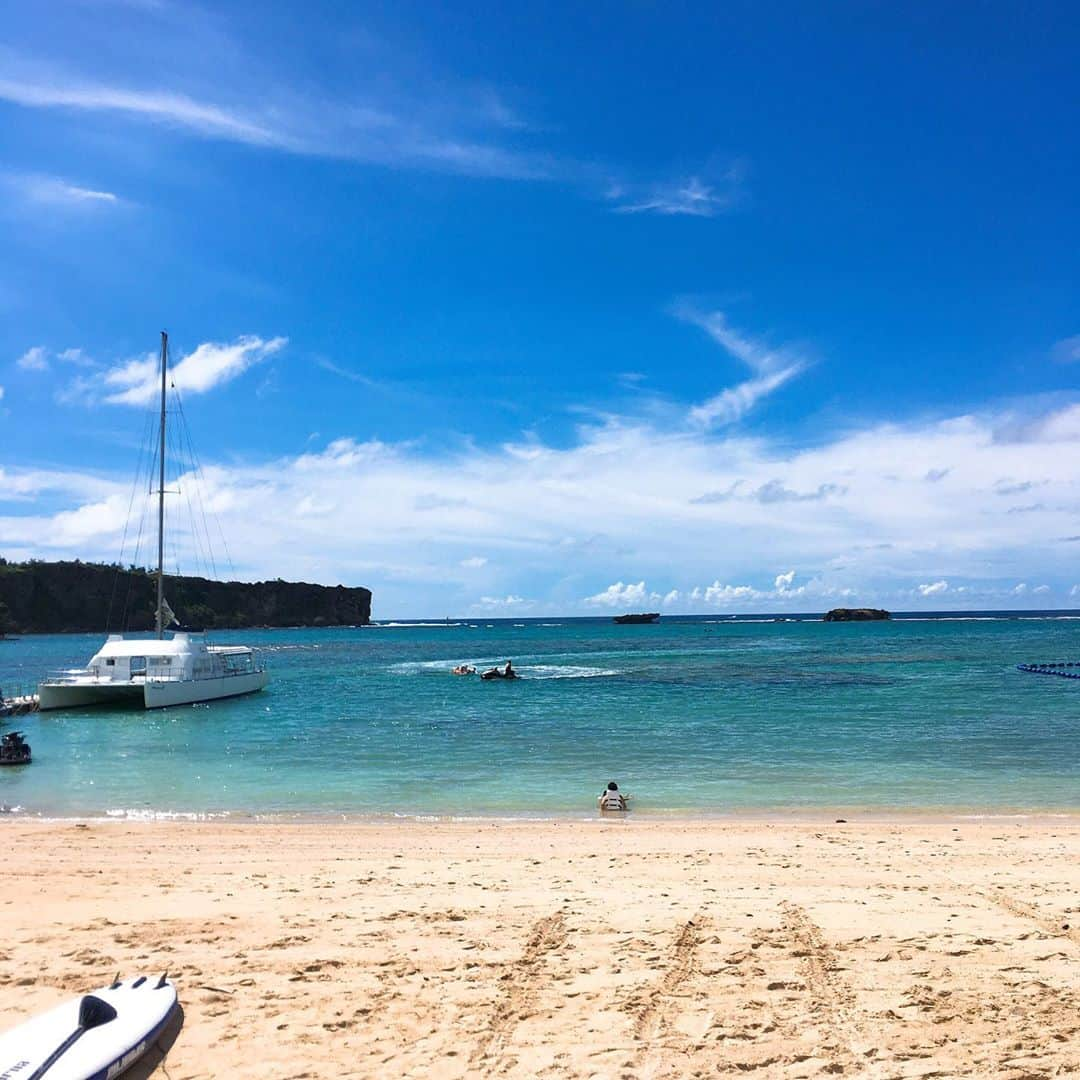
(612, 798)
(464, 669)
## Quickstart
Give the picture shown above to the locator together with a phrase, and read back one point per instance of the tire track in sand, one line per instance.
(1045, 923)
(656, 1009)
(832, 998)
(520, 986)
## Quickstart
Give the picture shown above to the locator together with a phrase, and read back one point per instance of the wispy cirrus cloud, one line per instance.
(424, 121)
(404, 133)
(691, 197)
(772, 368)
(36, 189)
(65, 92)
(136, 382)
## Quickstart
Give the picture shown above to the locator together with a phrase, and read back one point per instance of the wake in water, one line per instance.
(525, 671)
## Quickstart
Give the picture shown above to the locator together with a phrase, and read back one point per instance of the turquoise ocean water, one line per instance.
(698, 716)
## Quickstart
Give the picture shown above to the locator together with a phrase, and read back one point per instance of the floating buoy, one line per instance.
(1052, 667)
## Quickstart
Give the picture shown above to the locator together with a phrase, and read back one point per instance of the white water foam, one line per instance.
(554, 671)
(412, 625)
(526, 671)
(122, 814)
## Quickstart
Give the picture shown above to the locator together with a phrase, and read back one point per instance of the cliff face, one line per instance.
(59, 597)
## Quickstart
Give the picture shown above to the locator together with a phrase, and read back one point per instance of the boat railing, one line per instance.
(152, 673)
(92, 677)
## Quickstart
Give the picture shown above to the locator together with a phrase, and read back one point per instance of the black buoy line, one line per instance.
(1063, 669)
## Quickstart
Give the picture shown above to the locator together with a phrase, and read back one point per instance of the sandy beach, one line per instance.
(618, 949)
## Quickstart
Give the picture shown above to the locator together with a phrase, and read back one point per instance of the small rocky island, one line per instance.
(857, 614)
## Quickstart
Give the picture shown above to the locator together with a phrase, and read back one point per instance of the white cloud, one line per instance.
(136, 382)
(1067, 351)
(34, 359)
(772, 367)
(177, 109)
(1020, 589)
(735, 402)
(75, 357)
(1, 393)
(1041, 589)
(402, 132)
(671, 598)
(619, 595)
(784, 581)
(558, 522)
(1063, 425)
(719, 595)
(693, 197)
(474, 562)
(37, 358)
(502, 603)
(55, 192)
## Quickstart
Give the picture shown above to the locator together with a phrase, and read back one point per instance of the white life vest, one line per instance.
(612, 800)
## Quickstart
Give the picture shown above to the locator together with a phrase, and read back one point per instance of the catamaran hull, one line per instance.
(75, 696)
(158, 695)
(150, 695)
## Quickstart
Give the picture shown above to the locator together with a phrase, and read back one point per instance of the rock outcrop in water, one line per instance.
(58, 597)
(858, 614)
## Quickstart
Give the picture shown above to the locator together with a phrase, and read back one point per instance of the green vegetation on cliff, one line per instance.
(57, 597)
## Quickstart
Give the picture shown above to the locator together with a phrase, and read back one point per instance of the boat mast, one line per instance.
(159, 620)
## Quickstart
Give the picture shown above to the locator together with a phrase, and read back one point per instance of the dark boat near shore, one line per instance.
(648, 617)
(14, 749)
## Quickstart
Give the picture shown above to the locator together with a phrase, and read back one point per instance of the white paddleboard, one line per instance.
(143, 1008)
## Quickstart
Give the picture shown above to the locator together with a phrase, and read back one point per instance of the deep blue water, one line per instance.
(707, 715)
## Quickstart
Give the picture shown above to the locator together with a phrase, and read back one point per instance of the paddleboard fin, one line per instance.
(115, 984)
(162, 981)
(93, 1012)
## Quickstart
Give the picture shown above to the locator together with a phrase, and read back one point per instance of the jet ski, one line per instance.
(14, 749)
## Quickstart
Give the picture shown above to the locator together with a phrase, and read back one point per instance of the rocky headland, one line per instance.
(58, 597)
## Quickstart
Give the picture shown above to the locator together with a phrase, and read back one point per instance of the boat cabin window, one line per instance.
(138, 665)
(110, 661)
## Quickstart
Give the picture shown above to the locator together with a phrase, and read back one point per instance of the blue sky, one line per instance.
(541, 309)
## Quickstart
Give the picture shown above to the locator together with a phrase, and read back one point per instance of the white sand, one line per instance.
(619, 950)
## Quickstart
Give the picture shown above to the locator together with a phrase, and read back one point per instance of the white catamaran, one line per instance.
(160, 671)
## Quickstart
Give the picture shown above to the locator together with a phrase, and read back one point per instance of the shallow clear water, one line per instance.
(688, 715)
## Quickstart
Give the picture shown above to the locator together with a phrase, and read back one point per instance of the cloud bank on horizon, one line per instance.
(954, 512)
